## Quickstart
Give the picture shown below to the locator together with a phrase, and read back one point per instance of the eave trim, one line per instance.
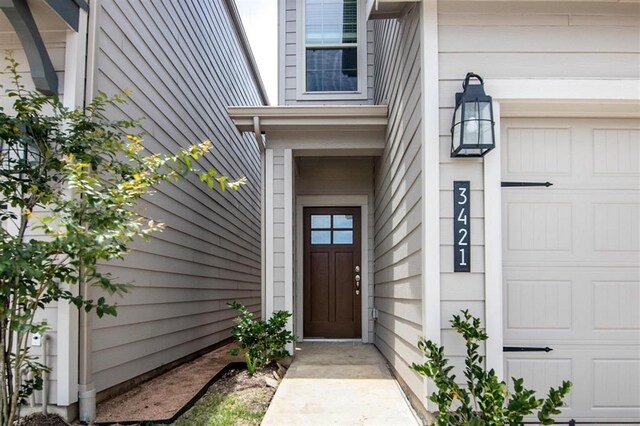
(283, 117)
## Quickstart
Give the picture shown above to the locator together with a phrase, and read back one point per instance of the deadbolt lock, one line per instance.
(357, 269)
(357, 278)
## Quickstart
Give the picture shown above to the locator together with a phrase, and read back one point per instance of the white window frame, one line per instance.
(301, 63)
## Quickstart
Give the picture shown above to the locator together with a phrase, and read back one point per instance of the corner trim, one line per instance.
(288, 238)
(268, 293)
(431, 326)
(493, 249)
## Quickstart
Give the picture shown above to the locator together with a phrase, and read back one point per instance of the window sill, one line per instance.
(330, 96)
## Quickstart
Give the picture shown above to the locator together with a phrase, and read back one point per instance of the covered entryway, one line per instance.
(572, 261)
(318, 214)
(332, 272)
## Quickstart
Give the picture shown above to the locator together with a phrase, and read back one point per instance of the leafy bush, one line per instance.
(264, 340)
(485, 400)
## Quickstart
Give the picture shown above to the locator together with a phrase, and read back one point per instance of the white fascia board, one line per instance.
(320, 116)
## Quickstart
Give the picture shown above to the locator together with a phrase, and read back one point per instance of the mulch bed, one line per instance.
(42, 420)
(163, 396)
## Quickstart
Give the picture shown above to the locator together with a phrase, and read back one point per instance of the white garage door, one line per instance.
(571, 258)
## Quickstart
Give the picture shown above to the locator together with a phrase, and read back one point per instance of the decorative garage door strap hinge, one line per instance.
(521, 184)
(525, 349)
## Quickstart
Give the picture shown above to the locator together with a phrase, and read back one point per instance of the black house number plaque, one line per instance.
(461, 226)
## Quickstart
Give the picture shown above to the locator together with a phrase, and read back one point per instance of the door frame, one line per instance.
(303, 201)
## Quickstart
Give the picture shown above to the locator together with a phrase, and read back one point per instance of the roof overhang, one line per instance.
(330, 129)
(370, 117)
(387, 9)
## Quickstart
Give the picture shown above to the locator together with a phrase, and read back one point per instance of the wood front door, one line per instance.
(332, 272)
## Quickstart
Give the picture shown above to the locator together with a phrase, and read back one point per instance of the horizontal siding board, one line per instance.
(150, 313)
(392, 351)
(534, 39)
(405, 309)
(540, 65)
(130, 368)
(411, 288)
(462, 287)
(451, 308)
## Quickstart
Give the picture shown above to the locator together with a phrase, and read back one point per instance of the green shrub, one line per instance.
(484, 400)
(264, 340)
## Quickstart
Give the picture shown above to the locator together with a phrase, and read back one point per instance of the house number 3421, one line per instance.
(461, 226)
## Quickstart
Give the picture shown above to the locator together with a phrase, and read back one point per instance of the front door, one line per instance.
(332, 272)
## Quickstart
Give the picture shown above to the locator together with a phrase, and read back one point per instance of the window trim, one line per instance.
(301, 63)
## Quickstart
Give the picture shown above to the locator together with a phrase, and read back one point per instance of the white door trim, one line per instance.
(302, 201)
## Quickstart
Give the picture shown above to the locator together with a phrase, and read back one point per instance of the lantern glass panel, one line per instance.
(486, 124)
(456, 127)
(471, 124)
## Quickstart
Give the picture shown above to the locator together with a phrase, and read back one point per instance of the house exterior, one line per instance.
(358, 205)
(183, 62)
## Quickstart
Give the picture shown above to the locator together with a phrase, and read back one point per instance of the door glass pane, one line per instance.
(343, 221)
(320, 221)
(342, 237)
(320, 237)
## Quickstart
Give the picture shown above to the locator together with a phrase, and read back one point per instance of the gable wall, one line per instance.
(184, 65)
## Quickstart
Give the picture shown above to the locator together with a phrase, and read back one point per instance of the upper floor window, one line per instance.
(331, 45)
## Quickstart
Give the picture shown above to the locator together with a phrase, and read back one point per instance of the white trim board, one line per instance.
(68, 319)
(288, 238)
(431, 300)
(493, 249)
(268, 294)
(361, 201)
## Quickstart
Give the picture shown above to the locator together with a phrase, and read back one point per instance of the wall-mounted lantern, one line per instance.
(18, 159)
(472, 133)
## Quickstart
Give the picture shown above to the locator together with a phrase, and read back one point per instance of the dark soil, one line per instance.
(42, 420)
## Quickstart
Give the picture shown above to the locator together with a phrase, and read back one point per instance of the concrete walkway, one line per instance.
(339, 384)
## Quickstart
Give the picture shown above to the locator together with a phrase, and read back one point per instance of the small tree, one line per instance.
(75, 177)
(484, 400)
